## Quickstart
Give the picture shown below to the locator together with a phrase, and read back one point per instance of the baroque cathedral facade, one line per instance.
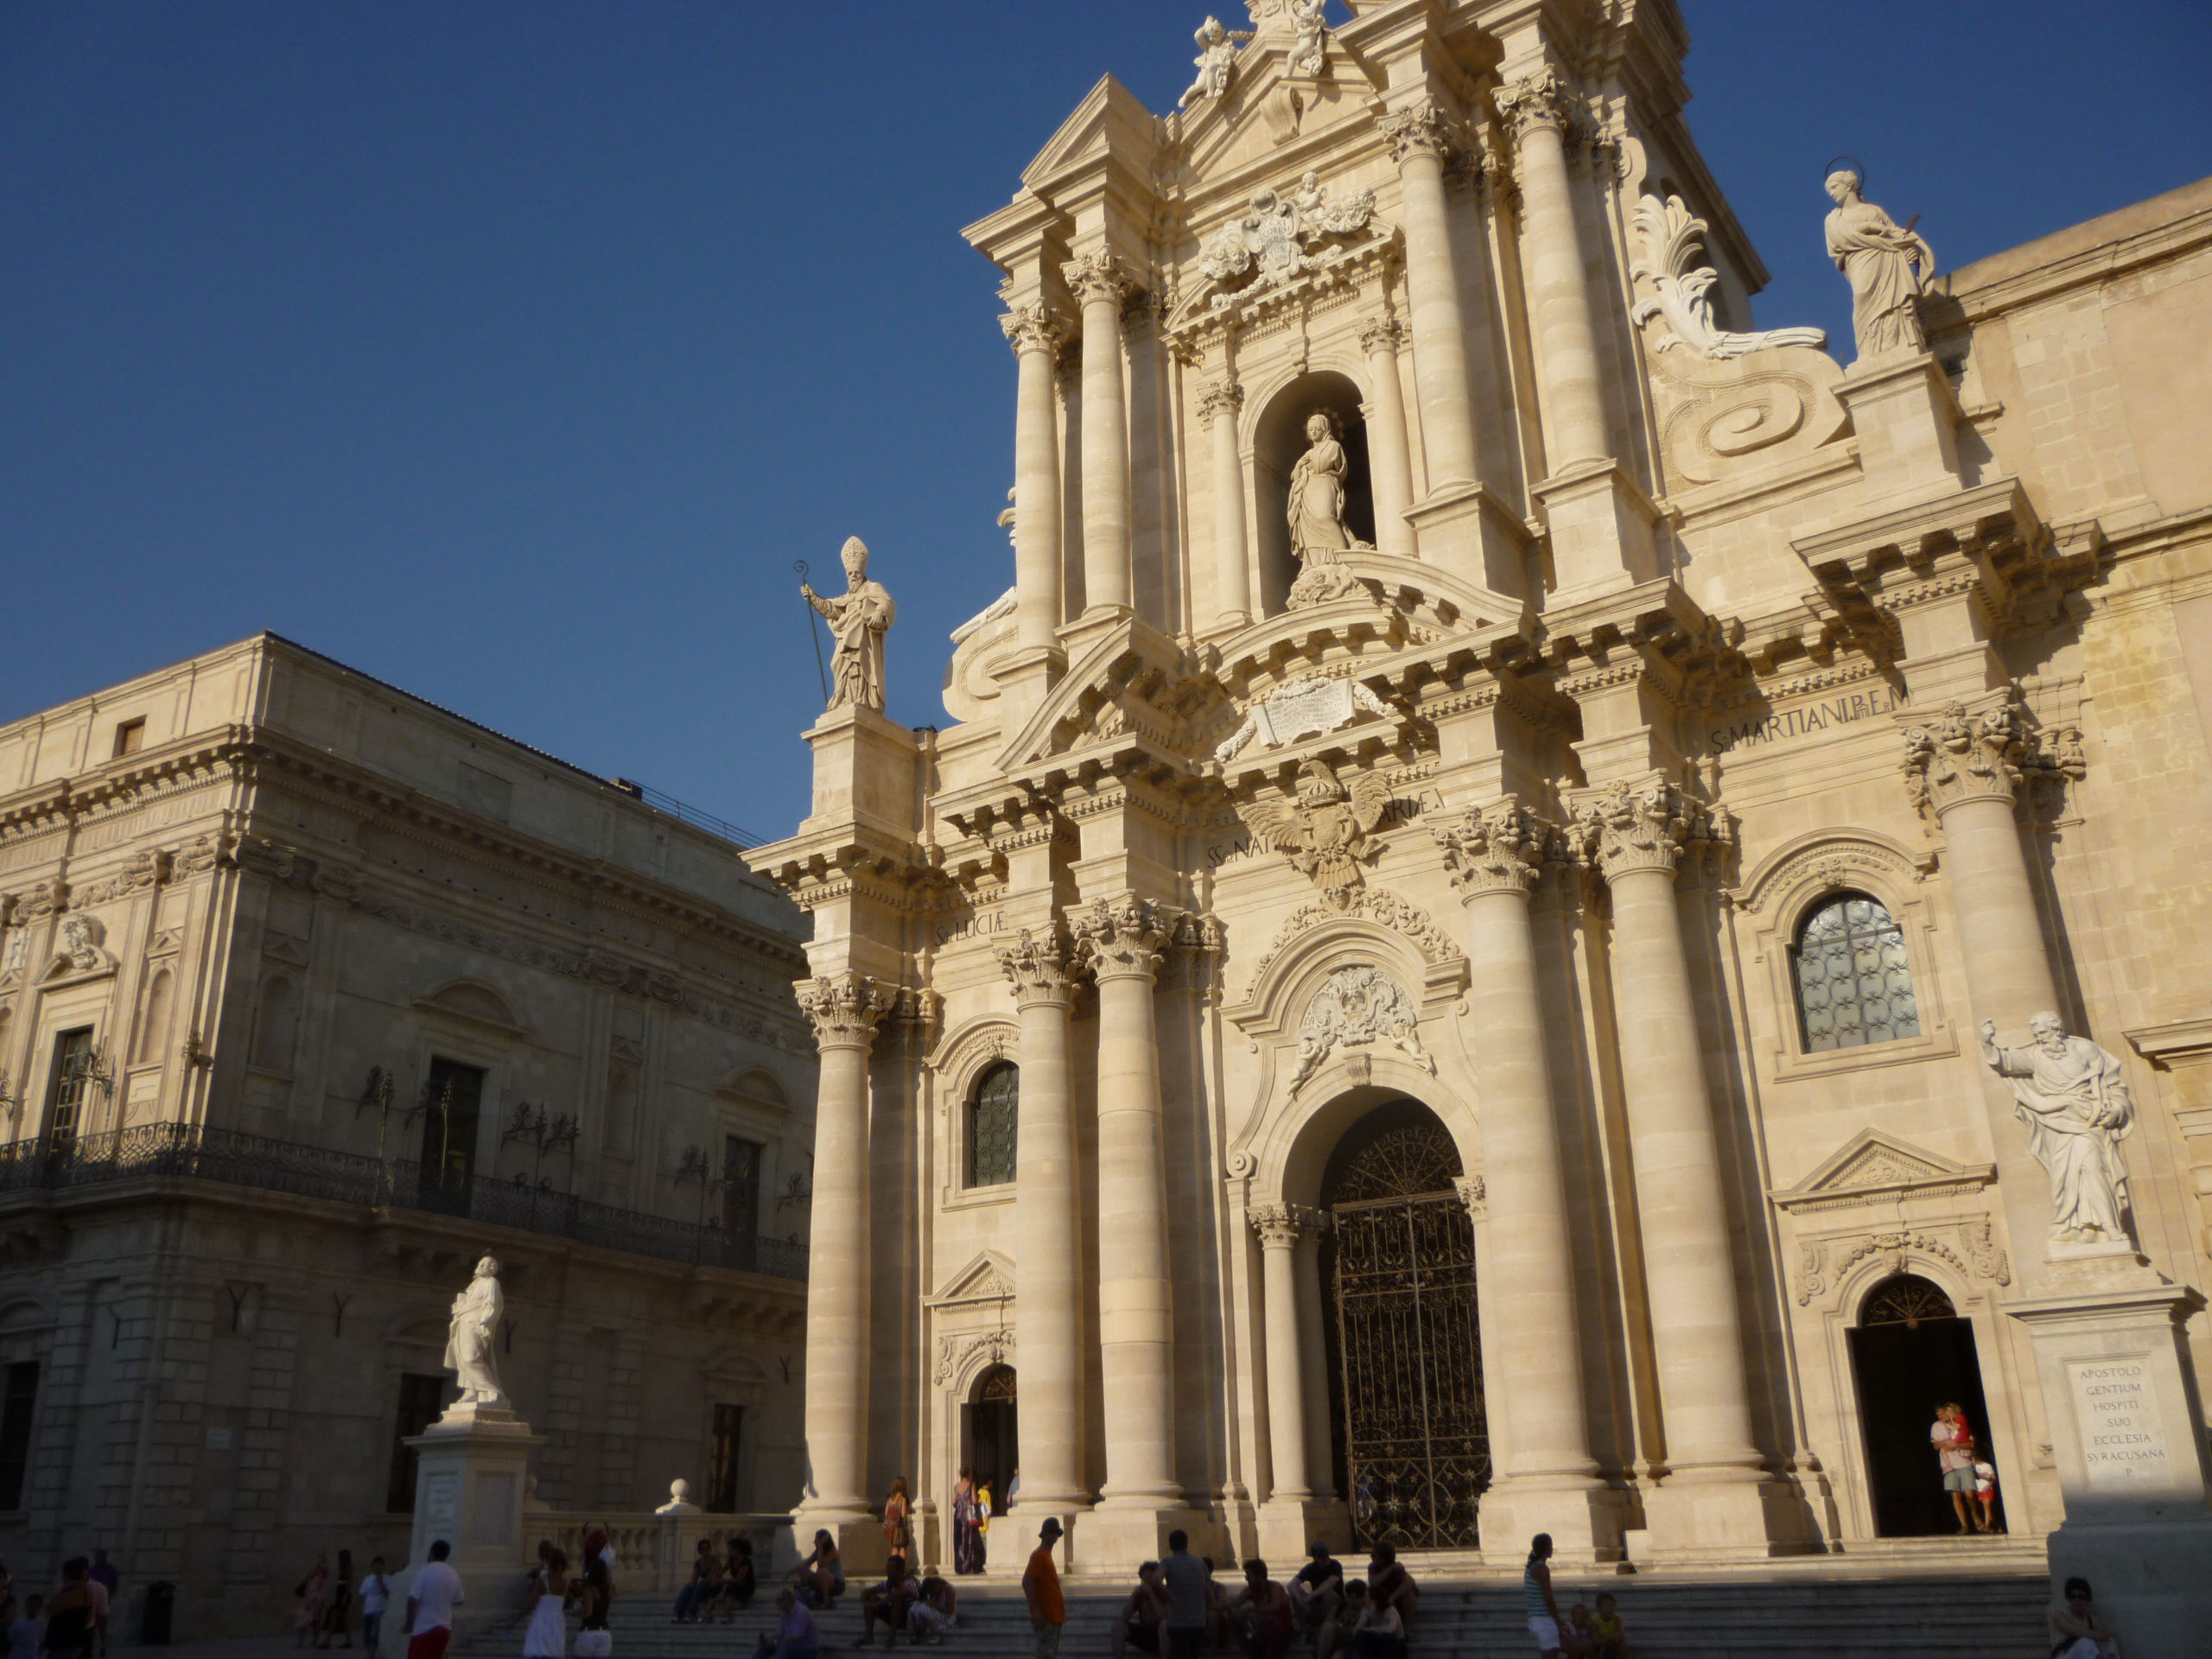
(1540, 911)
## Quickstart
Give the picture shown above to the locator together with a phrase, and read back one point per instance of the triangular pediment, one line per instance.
(1111, 122)
(987, 1277)
(1132, 683)
(1877, 1166)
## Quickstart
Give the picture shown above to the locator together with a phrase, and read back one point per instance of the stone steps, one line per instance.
(1982, 1617)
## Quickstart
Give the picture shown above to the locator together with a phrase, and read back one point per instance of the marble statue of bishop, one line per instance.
(859, 619)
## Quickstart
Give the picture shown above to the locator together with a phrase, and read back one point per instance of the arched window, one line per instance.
(991, 1111)
(1906, 1298)
(1854, 986)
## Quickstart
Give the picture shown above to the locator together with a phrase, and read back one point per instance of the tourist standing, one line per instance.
(309, 1593)
(69, 1612)
(1953, 1437)
(1536, 1594)
(1190, 1597)
(898, 1529)
(595, 1599)
(548, 1635)
(966, 1536)
(375, 1596)
(1040, 1586)
(109, 1583)
(27, 1630)
(338, 1613)
(430, 1601)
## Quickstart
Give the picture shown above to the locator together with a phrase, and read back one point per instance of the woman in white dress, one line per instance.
(548, 1635)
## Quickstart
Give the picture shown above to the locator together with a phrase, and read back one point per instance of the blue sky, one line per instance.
(512, 352)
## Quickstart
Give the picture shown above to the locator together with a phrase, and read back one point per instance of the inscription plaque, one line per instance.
(2122, 1450)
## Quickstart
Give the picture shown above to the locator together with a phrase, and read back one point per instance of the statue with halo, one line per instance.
(1887, 265)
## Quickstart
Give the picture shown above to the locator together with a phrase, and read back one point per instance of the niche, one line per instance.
(1278, 441)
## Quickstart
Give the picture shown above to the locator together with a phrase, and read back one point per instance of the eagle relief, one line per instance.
(1325, 832)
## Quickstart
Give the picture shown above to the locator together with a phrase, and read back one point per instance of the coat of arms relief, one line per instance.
(1326, 831)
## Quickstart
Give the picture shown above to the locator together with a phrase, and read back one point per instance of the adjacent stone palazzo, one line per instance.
(845, 1009)
(1634, 838)
(1036, 336)
(1101, 284)
(1048, 1245)
(1547, 1476)
(1123, 940)
(1537, 108)
(1280, 1228)
(1419, 138)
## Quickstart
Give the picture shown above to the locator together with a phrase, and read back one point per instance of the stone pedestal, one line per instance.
(1906, 419)
(471, 1477)
(2113, 1360)
(863, 773)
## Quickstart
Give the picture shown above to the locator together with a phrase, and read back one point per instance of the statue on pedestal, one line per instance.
(2070, 1094)
(1888, 267)
(858, 619)
(471, 1353)
(1316, 515)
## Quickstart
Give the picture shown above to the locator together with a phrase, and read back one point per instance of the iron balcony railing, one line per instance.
(53, 1163)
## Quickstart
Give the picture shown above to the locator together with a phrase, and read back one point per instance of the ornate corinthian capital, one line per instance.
(1625, 830)
(1040, 966)
(1421, 130)
(1383, 334)
(844, 1008)
(1536, 99)
(1281, 1225)
(1099, 275)
(1122, 938)
(1224, 399)
(1500, 850)
(1032, 328)
(1964, 757)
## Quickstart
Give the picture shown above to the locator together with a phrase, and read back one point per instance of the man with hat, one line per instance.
(1041, 1584)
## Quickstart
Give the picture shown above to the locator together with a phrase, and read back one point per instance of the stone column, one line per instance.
(1713, 1496)
(1418, 143)
(1280, 1227)
(1101, 284)
(1389, 453)
(844, 1008)
(1123, 941)
(1233, 577)
(1536, 108)
(1549, 1481)
(1047, 1241)
(1036, 335)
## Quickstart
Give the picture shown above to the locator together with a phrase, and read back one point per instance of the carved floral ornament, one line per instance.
(1630, 830)
(1280, 1226)
(1032, 328)
(1042, 966)
(1534, 101)
(961, 1355)
(1377, 905)
(1356, 1007)
(1124, 937)
(1968, 1247)
(1498, 850)
(844, 1008)
(1280, 236)
(1968, 757)
(1673, 240)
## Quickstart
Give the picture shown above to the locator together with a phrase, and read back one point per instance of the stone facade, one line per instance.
(1524, 738)
(306, 983)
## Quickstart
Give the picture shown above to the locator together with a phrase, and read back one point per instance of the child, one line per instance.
(28, 1634)
(1984, 1491)
(1607, 1630)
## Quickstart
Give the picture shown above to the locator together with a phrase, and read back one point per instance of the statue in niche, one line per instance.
(1318, 534)
(1887, 266)
(471, 1355)
(2070, 1094)
(858, 619)
(1217, 61)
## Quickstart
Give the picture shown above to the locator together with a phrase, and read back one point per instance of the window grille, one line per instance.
(991, 1115)
(1855, 985)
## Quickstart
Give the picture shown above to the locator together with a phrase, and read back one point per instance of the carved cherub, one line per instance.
(1217, 60)
(1325, 832)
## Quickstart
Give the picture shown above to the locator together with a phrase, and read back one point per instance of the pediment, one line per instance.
(1110, 123)
(1135, 682)
(1875, 1166)
(987, 1277)
(280, 947)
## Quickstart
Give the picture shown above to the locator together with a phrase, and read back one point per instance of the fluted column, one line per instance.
(1123, 941)
(1101, 284)
(1635, 840)
(1389, 453)
(1280, 1227)
(845, 1009)
(1218, 408)
(1418, 142)
(1536, 108)
(1035, 335)
(1047, 1241)
(1494, 858)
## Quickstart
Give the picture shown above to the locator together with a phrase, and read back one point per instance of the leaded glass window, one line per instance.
(1854, 986)
(991, 1112)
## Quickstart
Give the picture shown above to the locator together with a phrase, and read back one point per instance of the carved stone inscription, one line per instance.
(2122, 1449)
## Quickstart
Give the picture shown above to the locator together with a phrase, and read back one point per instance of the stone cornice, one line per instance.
(1654, 635)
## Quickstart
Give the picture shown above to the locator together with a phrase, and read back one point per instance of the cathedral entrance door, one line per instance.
(988, 1428)
(1405, 1360)
(1911, 1353)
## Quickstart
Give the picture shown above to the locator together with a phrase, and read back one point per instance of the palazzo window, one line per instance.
(1855, 985)
(991, 1112)
(721, 1459)
(17, 1406)
(74, 1064)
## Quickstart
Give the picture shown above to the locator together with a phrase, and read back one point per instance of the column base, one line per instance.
(1748, 1516)
(1586, 1521)
(1467, 530)
(1285, 1527)
(1601, 528)
(1116, 1539)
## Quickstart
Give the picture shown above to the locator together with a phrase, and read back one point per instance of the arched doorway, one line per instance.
(1411, 1440)
(1278, 440)
(1910, 1353)
(988, 1430)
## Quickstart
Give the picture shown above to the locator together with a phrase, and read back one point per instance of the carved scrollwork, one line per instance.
(1379, 905)
(1987, 756)
(957, 1355)
(1423, 128)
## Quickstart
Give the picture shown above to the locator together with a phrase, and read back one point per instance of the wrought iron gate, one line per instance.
(1416, 1443)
